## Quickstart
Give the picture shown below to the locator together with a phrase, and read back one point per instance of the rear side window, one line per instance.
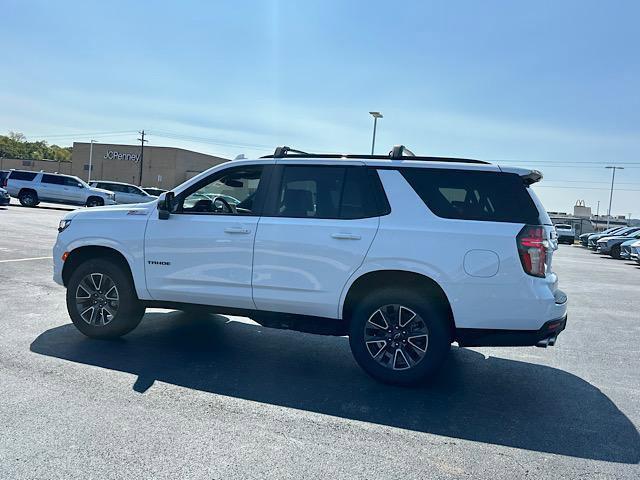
(331, 192)
(26, 176)
(53, 179)
(474, 195)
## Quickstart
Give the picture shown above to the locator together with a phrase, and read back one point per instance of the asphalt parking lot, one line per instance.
(221, 397)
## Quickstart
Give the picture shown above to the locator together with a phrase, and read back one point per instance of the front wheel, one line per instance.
(101, 300)
(615, 252)
(94, 202)
(399, 337)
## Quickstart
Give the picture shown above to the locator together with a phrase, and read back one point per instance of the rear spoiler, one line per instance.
(529, 177)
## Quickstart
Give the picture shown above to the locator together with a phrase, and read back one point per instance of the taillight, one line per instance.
(532, 248)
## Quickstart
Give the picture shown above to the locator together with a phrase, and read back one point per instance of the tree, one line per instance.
(15, 145)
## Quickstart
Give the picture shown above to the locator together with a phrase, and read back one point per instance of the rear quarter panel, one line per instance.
(412, 238)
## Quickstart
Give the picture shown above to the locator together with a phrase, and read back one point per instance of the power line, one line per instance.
(586, 188)
(89, 134)
(212, 141)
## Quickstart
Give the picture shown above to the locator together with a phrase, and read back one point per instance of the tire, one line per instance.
(28, 198)
(94, 202)
(421, 323)
(102, 312)
(615, 252)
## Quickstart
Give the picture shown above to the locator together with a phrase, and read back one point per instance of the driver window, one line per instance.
(230, 193)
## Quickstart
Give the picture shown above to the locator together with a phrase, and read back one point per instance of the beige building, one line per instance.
(50, 166)
(163, 167)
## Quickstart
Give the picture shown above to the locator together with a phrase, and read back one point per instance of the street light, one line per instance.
(613, 178)
(376, 116)
(90, 160)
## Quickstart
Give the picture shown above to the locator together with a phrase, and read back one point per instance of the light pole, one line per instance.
(90, 161)
(613, 178)
(376, 116)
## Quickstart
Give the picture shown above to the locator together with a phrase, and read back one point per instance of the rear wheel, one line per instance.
(399, 337)
(101, 300)
(28, 198)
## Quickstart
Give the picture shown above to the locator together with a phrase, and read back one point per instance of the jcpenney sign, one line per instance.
(115, 155)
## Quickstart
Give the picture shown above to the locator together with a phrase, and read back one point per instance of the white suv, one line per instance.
(30, 188)
(125, 192)
(403, 254)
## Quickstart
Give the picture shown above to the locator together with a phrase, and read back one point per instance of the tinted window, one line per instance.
(358, 198)
(310, 192)
(473, 195)
(326, 192)
(27, 176)
(70, 181)
(52, 179)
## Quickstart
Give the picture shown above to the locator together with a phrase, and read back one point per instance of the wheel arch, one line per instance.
(372, 280)
(27, 189)
(81, 254)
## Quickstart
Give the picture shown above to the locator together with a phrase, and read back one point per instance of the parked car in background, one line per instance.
(584, 238)
(156, 192)
(635, 252)
(3, 178)
(30, 188)
(4, 197)
(566, 233)
(625, 247)
(611, 244)
(594, 237)
(125, 192)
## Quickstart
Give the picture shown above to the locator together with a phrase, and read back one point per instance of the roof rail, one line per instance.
(398, 151)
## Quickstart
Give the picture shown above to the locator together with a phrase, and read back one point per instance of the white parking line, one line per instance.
(25, 259)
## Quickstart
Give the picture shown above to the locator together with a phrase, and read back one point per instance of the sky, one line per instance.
(553, 85)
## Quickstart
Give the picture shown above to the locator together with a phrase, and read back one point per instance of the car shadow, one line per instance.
(492, 400)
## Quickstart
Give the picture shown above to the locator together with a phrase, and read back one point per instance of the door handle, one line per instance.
(345, 236)
(237, 230)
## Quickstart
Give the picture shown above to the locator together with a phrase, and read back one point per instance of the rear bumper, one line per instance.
(544, 337)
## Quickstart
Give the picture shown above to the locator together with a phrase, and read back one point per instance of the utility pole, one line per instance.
(598, 216)
(376, 116)
(90, 161)
(142, 142)
(613, 178)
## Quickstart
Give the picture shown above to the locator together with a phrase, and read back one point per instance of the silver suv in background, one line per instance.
(30, 188)
(566, 233)
(125, 192)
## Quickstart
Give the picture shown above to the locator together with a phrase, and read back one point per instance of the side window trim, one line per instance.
(258, 202)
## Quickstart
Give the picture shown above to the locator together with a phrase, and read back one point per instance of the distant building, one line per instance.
(163, 167)
(581, 210)
(583, 221)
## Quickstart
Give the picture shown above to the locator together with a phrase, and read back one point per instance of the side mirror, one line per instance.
(80, 185)
(165, 202)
